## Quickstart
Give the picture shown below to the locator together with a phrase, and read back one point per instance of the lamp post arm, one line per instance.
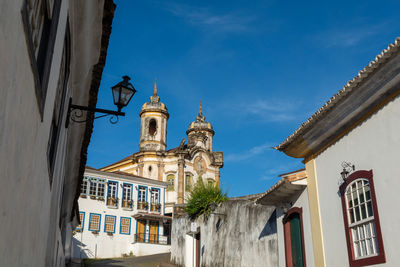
(72, 114)
(100, 110)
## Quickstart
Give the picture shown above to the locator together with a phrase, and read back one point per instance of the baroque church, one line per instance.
(180, 167)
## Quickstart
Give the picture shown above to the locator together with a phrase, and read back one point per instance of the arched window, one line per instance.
(294, 238)
(361, 220)
(171, 182)
(152, 127)
(188, 181)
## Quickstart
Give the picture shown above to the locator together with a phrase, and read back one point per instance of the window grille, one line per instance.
(125, 225)
(109, 224)
(94, 224)
(361, 219)
(84, 186)
(82, 220)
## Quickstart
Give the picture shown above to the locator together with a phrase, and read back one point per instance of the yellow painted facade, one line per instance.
(154, 161)
(315, 214)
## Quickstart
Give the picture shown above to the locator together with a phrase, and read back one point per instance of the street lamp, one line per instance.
(122, 94)
(347, 168)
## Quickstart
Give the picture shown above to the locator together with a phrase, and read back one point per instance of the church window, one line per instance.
(210, 181)
(188, 182)
(361, 220)
(150, 169)
(170, 181)
(94, 222)
(152, 127)
(109, 226)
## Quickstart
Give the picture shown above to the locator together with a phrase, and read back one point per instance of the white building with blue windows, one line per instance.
(121, 214)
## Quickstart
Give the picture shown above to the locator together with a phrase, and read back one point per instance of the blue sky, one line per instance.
(261, 68)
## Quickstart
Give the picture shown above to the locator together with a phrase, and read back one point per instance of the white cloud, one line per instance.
(254, 151)
(349, 37)
(270, 110)
(202, 16)
(274, 172)
(262, 110)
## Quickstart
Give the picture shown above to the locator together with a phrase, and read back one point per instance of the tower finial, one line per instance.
(155, 88)
(155, 98)
(200, 117)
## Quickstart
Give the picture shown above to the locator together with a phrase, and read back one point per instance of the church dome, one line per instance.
(154, 105)
(200, 124)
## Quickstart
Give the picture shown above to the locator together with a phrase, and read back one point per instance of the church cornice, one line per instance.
(157, 110)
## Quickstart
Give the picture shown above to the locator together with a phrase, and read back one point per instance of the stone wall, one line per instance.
(239, 233)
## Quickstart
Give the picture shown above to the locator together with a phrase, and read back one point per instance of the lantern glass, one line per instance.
(125, 96)
(116, 91)
(344, 174)
(123, 92)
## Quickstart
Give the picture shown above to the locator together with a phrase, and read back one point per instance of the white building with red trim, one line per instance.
(350, 148)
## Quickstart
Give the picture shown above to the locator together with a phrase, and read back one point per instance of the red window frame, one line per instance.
(286, 231)
(380, 258)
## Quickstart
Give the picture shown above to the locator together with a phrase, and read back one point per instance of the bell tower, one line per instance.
(200, 132)
(153, 121)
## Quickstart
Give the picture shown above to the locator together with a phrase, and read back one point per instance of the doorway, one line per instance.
(153, 232)
(294, 240)
(140, 234)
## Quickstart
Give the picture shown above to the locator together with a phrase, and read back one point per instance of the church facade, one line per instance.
(180, 167)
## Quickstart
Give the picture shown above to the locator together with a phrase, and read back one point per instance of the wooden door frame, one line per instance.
(288, 242)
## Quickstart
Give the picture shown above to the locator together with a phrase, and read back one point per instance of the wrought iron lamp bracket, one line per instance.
(75, 114)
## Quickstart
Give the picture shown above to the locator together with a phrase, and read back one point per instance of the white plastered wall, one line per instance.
(373, 145)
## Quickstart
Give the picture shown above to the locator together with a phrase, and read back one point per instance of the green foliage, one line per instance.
(201, 196)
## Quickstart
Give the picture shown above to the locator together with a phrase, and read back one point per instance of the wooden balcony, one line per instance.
(142, 205)
(155, 207)
(127, 204)
(112, 202)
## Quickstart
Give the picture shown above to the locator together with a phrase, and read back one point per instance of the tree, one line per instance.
(201, 196)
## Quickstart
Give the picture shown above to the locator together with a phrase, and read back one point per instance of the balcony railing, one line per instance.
(112, 202)
(127, 204)
(142, 205)
(152, 239)
(155, 207)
